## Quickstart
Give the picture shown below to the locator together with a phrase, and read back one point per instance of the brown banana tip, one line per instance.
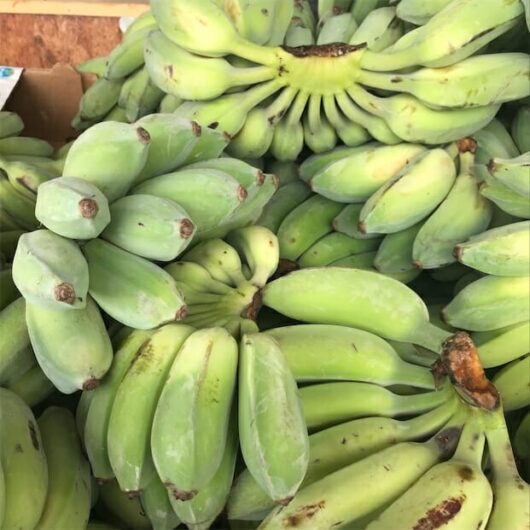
(334, 225)
(133, 494)
(143, 135)
(241, 193)
(91, 384)
(275, 181)
(491, 165)
(361, 227)
(252, 310)
(181, 313)
(458, 252)
(186, 228)
(467, 145)
(196, 129)
(180, 494)
(227, 137)
(65, 292)
(417, 264)
(260, 177)
(462, 364)
(88, 208)
(285, 502)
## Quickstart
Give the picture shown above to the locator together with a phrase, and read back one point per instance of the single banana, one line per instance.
(269, 404)
(155, 503)
(197, 277)
(511, 202)
(337, 28)
(142, 96)
(490, 303)
(380, 29)
(419, 12)
(26, 177)
(512, 383)
(117, 275)
(169, 104)
(23, 462)
(513, 172)
(501, 251)
(72, 347)
(11, 124)
(94, 65)
(520, 128)
(68, 499)
(50, 271)
(356, 298)
(347, 222)
(133, 408)
(25, 145)
(319, 134)
(99, 98)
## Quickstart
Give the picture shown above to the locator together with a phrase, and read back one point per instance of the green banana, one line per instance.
(520, 128)
(337, 28)
(197, 277)
(347, 222)
(512, 172)
(357, 298)
(133, 408)
(200, 387)
(18, 209)
(501, 251)
(109, 155)
(511, 202)
(319, 134)
(94, 65)
(114, 278)
(380, 29)
(83, 212)
(25, 145)
(490, 303)
(23, 462)
(26, 177)
(155, 503)
(100, 98)
(142, 96)
(389, 211)
(11, 124)
(33, 386)
(269, 404)
(72, 347)
(68, 499)
(169, 104)
(512, 383)
(419, 12)
(50, 271)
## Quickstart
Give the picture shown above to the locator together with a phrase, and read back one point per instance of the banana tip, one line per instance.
(91, 384)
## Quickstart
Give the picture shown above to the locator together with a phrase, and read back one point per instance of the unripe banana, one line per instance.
(210, 145)
(155, 503)
(100, 98)
(337, 28)
(25, 145)
(269, 404)
(18, 210)
(513, 172)
(131, 289)
(23, 462)
(513, 203)
(26, 177)
(512, 383)
(197, 277)
(203, 374)
(409, 196)
(502, 251)
(68, 498)
(490, 303)
(380, 29)
(347, 222)
(133, 409)
(142, 96)
(357, 176)
(283, 14)
(169, 104)
(117, 113)
(356, 298)
(419, 12)
(319, 134)
(33, 386)
(520, 128)
(11, 124)
(72, 347)
(50, 271)
(373, 361)
(109, 155)
(72, 207)
(149, 226)
(394, 254)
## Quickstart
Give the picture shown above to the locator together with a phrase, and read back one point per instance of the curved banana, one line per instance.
(512, 383)
(506, 199)
(419, 12)
(512, 172)
(155, 503)
(380, 29)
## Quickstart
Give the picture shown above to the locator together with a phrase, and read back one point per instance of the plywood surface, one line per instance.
(94, 8)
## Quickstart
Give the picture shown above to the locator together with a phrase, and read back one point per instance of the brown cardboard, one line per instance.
(47, 100)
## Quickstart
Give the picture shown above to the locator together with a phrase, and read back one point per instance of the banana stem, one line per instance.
(276, 110)
(367, 101)
(352, 111)
(251, 76)
(417, 376)
(467, 160)
(314, 116)
(255, 53)
(298, 107)
(257, 94)
(391, 82)
(431, 337)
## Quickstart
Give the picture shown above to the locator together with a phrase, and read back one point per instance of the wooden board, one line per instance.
(93, 8)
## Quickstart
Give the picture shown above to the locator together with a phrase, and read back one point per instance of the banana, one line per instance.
(374, 361)
(327, 404)
(96, 422)
(260, 249)
(477, 81)
(347, 222)
(155, 503)
(490, 303)
(269, 404)
(253, 19)
(204, 508)
(50, 271)
(142, 95)
(389, 211)
(11, 124)
(283, 13)
(456, 492)
(494, 140)
(501, 251)
(188, 76)
(419, 12)
(26, 177)
(14, 340)
(83, 210)
(172, 141)
(337, 28)
(356, 177)
(72, 347)
(149, 226)
(94, 65)
(114, 284)
(513, 203)
(23, 462)
(338, 447)
(210, 145)
(362, 299)
(503, 345)
(100, 98)
(449, 224)
(200, 387)
(412, 121)
(380, 29)
(93, 157)
(209, 196)
(25, 145)
(319, 134)
(284, 200)
(513, 172)
(304, 225)
(334, 247)
(169, 104)
(18, 209)
(33, 386)
(356, 490)
(303, 11)
(7, 221)
(361, 9)
(141, 21)
(520, 128)
(197, 277)
(133, 408)
(438, 43)
(512, 383)
(68, 499)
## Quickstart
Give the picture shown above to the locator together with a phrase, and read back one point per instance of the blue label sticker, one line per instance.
(6, 71)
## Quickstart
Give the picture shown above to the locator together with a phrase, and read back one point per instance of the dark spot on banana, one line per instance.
(141, 224)
(178, 494)
(260, 177)
(465, 473)
(186, 228)
(396, 79)
(143, 135)
(90, 384)
(354, 347)
(265, 11)
(18, 448)
(33, 435)
(213, 125)
(181, 313)
(304, 512)
(440, 515)
(241, 193)
(64, 292)
(196, 128)
(88, 208)
(343, 441)
(169, 70)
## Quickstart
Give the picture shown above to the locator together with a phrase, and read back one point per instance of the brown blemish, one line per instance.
(186, 228)
(447, 440)
(334, 49)
(362, 228)
(396, 79)
(88, 208)
(33, 435)
(465, 473)
(64, 292)
(143, 135)
(285, 266)
(23, 181)
(303, 513)
(196, 129)
(440, 515)
(252, 310)
(466, 145)
(260, 177)
(241, 193)
(179, 494)
(169, 70)
(343, 441)
(90, 384)
(213, 125)
(181, 313)
(18, 448)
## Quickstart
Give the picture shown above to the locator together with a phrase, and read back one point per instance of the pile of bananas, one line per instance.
(276, 77)
(281, 278)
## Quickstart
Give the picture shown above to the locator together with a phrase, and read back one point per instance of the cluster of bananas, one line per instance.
(276, 77)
